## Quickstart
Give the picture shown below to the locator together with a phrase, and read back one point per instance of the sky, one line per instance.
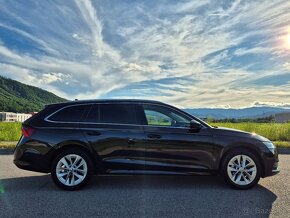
(203, 53)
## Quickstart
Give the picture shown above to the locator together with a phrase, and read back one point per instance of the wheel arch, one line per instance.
(245, 146)
(78, 145)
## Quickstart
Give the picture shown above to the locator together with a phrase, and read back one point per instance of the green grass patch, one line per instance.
(272, 131)
(6, 144)
(10, 131)
(281, 144)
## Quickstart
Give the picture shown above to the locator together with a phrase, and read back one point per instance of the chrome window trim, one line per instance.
(120, 124)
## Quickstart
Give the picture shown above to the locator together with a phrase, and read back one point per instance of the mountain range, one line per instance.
(18, 97)
(243, 113)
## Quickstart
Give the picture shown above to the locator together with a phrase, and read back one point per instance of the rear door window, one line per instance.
(117, 113)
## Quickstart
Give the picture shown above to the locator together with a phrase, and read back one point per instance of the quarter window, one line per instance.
(69, 114)
(93, 115)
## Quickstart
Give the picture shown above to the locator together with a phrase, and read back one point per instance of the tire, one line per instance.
(241, 169)
(71, 169)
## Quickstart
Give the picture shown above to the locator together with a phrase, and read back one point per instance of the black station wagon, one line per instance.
(75, 140)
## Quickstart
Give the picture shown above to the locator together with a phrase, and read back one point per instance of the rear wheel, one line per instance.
(241, 169)
(72, 169)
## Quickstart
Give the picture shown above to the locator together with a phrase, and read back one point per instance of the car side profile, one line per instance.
(75, 140)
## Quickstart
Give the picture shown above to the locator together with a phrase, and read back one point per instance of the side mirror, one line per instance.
(194, 126)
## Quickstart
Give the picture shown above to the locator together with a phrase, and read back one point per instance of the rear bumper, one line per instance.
(33, 156)
(30, 166)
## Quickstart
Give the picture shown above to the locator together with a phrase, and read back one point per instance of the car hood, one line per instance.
(237, 133)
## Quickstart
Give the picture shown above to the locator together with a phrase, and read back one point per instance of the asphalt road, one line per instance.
(28, 194)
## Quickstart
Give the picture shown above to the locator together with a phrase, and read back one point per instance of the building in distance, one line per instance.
(14, 117)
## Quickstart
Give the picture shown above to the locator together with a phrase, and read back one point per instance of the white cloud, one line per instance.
(286, 65)
(270, 104)
(89, 49)
(255, 50)
(52, 77)
(88, 13)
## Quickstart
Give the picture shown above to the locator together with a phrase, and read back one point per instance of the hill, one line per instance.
(282, 117)
(21, 98)
(251, 112)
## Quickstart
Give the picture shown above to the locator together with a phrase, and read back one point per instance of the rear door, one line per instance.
(112, 131)
(171, 145)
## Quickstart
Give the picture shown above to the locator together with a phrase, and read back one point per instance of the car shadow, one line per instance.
(146, 196)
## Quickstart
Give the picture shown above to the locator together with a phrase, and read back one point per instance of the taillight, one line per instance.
(27, 131)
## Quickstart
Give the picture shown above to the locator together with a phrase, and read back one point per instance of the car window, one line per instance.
(69, 114)
(163, 116)
(157, 118)
(117, 113)
(111, 113)
(93, 116)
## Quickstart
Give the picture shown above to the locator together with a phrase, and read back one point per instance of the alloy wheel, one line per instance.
(242, 170)
(71, 170)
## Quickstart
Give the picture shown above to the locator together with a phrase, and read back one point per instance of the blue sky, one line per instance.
(188, 53)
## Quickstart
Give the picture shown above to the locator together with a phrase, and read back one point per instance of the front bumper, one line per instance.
(271, 163)
(275, 169)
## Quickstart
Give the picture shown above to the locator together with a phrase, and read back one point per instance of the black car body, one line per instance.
(137, 136)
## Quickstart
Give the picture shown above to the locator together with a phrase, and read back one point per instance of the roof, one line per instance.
(108, 100)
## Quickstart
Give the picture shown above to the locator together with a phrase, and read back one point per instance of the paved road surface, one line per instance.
(28, 194)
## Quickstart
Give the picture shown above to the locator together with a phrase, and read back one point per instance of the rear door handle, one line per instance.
(154, 136)
(93, 133)
(131, 141)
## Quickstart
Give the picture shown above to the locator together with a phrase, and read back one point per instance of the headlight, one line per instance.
(270, 146)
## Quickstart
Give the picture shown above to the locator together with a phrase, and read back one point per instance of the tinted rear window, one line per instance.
(69, 114)
(93, 115)
(112, 113)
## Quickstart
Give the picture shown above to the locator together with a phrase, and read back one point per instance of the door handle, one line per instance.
(93, 133)
(154, 136)
(131, 141)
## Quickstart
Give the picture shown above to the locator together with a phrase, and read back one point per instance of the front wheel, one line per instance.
(71, 169)
(241, 169)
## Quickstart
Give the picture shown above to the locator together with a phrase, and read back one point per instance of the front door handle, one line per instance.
(154, 136)
(93, 133)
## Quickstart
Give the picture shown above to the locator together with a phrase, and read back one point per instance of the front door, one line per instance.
(171, 145)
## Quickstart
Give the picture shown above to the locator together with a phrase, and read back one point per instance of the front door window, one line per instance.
(162, 116)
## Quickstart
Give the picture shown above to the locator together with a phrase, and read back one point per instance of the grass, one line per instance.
(276, 132)
(10, 131)
(272, 131)
(7, 144)
(281, 144)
